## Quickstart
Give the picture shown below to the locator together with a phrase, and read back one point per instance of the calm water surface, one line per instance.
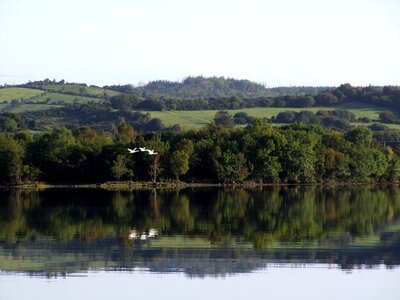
(278, 243)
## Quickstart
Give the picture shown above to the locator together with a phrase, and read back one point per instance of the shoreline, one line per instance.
(132, 185)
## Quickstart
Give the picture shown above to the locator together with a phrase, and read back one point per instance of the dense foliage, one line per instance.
(335, 119)
(259, 152)
(98, 116)
(200, 87)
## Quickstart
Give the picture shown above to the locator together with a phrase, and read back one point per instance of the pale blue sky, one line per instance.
(282, 42)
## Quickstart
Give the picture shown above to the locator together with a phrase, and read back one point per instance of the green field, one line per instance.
(7, 94)
(55, 93)
(32, 107)
(57, 98)
(52, 99)
(363, 110)
(393, 126)
(199, 118)
(76, 89)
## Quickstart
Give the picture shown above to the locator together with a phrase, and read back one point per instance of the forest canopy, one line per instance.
(259, 152)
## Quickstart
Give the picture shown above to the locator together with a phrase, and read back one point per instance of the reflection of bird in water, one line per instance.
(152, 233)
(133, 150)
(132, 235)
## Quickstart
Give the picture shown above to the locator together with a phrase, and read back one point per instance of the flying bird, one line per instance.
(133, 150)
(151, 152)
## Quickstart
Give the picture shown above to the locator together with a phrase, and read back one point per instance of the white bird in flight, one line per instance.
(133, 150)
(151, 152)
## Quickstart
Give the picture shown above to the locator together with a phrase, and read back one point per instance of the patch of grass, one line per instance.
(11, 93)
(80, 89)
(392, 126)
(32, 107)
(362, 110)
(199, 118)
(57, 98)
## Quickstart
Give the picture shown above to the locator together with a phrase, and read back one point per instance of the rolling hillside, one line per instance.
(48, 104)
(80, 89)
(200, 87)
(37, 97)
(17, 93)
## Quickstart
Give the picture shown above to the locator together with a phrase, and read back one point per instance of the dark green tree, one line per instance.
(10, 161)
(223, 118)
(231, 167)
(267, 166)
(119, 168)
(179, 163)
(126, 133)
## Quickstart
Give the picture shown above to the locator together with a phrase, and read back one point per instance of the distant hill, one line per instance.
(47, 94)
(218, 87)
(78, 89)
(193, 102)
(56, 92)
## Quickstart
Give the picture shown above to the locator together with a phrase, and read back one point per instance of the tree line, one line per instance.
(199, 87)
(387, 97)
(259, 152)
(97, 116)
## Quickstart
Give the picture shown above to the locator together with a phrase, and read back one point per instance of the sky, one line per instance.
(273, 42)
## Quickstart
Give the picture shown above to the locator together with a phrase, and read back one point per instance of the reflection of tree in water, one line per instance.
(228, 214)
(181, 216)
(358, 211)
(300, 221)
(259, 216)
(95, 226)
(13, 215)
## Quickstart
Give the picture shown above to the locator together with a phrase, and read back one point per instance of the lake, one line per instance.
(202, 243)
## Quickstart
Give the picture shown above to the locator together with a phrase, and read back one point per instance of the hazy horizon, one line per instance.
(275, 43)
